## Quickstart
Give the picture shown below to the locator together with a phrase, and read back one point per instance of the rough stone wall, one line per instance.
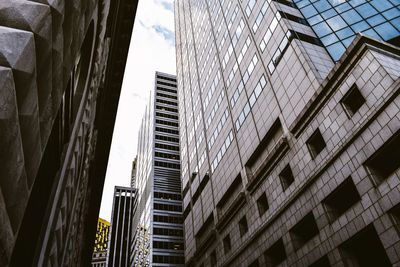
(39, 44)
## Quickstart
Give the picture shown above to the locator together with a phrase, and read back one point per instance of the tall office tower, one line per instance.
(61, 69)
(159, 232)
(289, 131)
(100, 251)
(124, 208)
(133, 173)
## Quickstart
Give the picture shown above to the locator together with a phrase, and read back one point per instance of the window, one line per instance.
(255, 264)
(213, 258)
(286, 177)
(275, 254)
(365, 249)
(352, 101)
(341, 199)
(322, 262)
(227, 244)
(243, 227)
(262, 204)
(386, 160)
(316, 143)
(303, 231)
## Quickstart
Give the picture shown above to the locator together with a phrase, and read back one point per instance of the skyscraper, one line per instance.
(159, 232)
(124, 208)
(61, 69)
(289, 127)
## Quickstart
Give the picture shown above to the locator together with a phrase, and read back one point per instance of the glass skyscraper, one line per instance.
(289, 132)
(336, 22)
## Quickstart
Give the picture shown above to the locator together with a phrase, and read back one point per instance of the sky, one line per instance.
(152, 49)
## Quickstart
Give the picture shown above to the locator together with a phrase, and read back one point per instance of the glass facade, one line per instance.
(336, 22)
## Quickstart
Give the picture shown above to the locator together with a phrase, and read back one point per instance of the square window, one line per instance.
(365, 249)
(316, 143)
(286, 177)
(275, 254)
(352, 101)
(213, 258)
(243, 226)
(262, 204)
(386, 160)
(227, 244)
(341, 199)
(304, 231)
(322, 262)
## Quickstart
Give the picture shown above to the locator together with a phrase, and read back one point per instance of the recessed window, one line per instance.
(286, 177)
(227, 244)
(341, 199)
(262, 204)
(213, 258)
(243, 227)
(395, 213)
(255, 264)
(304, 230)
(275, 254)
(386, 160)
(352, 101)
(316, 143)
(365, 249)
(322, 262)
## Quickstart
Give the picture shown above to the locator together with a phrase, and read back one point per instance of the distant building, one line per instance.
(61, 69)
(124, 207)
(158, 240)
(133, 173)
(100, 250)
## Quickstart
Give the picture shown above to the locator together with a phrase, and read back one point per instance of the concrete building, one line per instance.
(100, 251)
(289, 132)
(158, 240)
(61, 69)
(124, 208)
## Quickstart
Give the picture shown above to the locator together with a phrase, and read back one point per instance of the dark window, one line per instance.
(166, 102)
(262, 204)
(167, 138)
(168, 231)
(286, 177)
(364, 249)
(322, 262)
(227, 244)
(213, 258)
(352, 100)
(341, 199)
(168, 207)
(304, 230)
(166, 130)
(169, 196)
(166, 90)
(167, 165)
(255, 264)
(386, 160)
(243, 227)
(168, 245)
(316, 143)
(168, 147)
(166, 155)
(167, 84)
(169, 123)
(167, 109)
(168, 259)
(275, 254)
(167, 96)
(395, 212)
(168, 116)
(186, 212)
(168, 219)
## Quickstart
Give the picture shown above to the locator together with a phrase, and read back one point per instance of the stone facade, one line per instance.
(54, 73)
(287, 154)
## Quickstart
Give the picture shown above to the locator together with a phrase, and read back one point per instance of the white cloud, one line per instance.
(150, 50)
